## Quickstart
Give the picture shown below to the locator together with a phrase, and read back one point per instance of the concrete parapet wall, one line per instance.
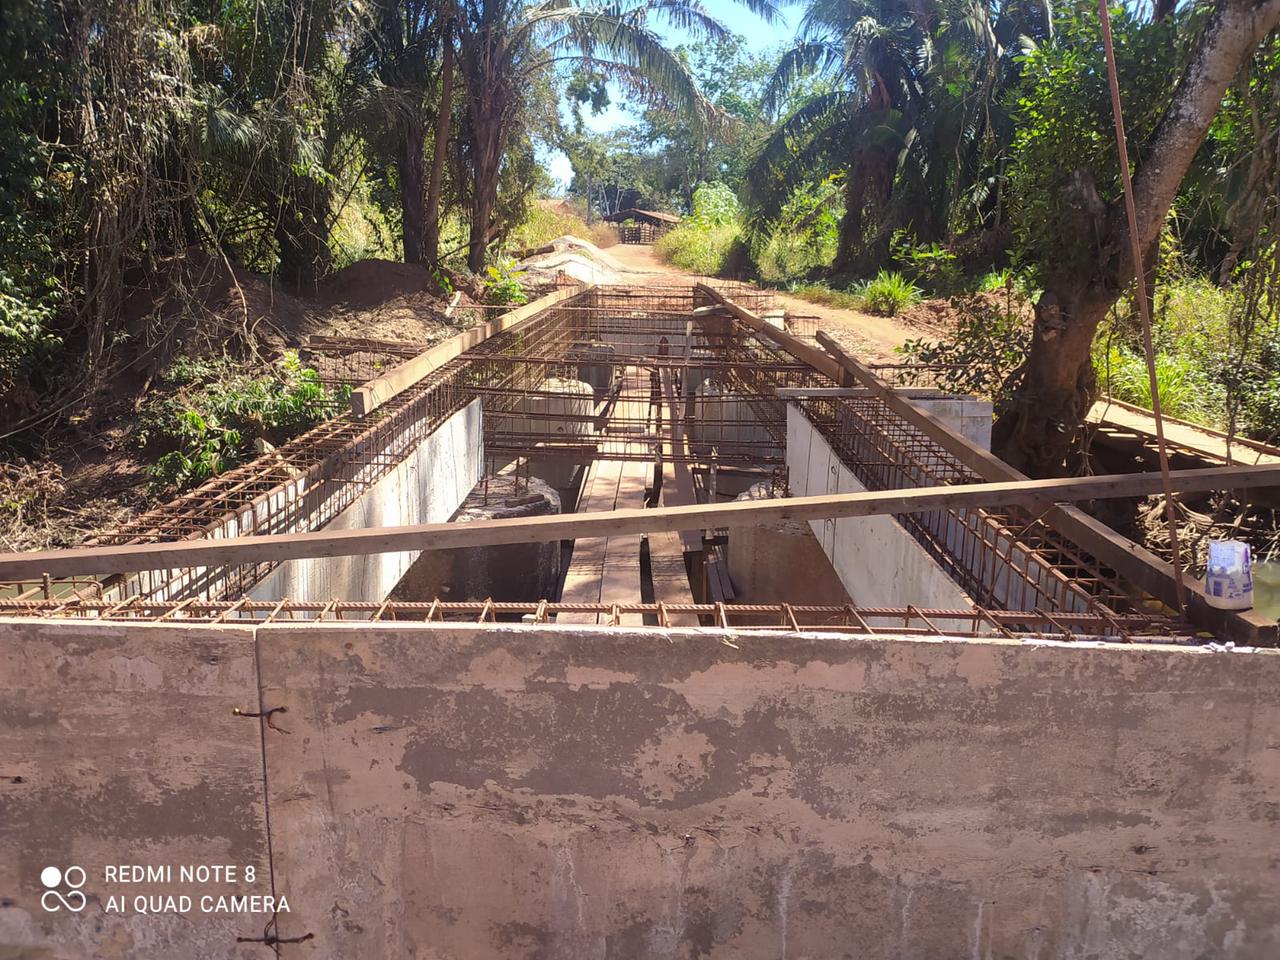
(118, 745)
(879, 563)
(426, 487)
(968, 416)
(453, 791)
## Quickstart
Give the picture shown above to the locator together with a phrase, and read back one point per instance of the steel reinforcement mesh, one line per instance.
(1006, 560)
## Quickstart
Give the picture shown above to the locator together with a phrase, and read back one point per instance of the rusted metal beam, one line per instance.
(972, 621)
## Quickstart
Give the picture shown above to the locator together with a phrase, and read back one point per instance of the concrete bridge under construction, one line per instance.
(640, 621)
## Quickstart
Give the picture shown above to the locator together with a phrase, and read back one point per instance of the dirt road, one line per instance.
(867, 336)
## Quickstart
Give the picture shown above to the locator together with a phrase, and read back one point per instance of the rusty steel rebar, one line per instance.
(1144, 306)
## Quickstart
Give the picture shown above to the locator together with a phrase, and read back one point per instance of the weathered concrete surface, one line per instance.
(968, 416)
(426, 487)
(877, 560)
(781, 562)
(118, 746)
(457, 792)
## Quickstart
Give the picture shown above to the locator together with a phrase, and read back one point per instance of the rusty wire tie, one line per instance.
(263, 715)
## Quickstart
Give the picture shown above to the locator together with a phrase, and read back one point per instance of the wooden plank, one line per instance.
(584, 578)
(379, 390)
(677, 478)
(1205, 442)
(670, 576)
(621, 580)
(719, 586)
(435, 536)
(820, 361)
(1133, 562)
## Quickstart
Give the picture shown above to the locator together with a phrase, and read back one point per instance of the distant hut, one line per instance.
(642, 226)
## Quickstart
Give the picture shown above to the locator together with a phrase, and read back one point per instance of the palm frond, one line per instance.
(804, 59)
(689, 16)
(622, 38)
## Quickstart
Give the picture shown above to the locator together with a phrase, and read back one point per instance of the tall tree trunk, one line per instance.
(1040, 426)
(486, 162)
(302, 233)
(849, 239)
(866, 192)
(412, 206)
(431, 240)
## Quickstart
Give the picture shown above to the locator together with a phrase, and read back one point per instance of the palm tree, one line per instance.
(401, 59)
(260, 115)
(504, 44)
(869, 55)
(907, 107)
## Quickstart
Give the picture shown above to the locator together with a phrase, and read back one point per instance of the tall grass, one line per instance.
(888, 292)
(1187, 391)
(699, 247)
(1191, 328)
(548, 219)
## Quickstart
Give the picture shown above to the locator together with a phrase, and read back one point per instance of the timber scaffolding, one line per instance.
(1045, 570)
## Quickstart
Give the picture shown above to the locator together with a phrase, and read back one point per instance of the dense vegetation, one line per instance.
(894, 151)
(949, 147)
(151, 143)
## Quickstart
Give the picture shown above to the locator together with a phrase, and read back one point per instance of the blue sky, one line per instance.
(758, 34)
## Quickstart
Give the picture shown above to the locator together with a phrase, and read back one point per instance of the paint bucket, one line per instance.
(1228, 580)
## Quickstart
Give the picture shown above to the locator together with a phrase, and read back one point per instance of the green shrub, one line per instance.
(214, 412)
(709, 242)
(889, 293)
(990, 341)
(24, 322)
(205, 450)
(699, 248)
(930, 263)
(502, 285)
(805, 235)
(715, 204)
(1187, 391)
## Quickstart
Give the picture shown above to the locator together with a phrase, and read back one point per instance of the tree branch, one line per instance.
(1229, 37)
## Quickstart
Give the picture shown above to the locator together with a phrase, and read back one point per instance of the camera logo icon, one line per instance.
(54, 899)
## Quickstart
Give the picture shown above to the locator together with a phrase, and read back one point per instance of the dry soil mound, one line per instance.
(368, 283)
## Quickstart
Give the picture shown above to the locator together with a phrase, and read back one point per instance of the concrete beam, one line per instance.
(379, 390)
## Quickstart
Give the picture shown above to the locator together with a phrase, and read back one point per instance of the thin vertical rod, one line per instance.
(1144, 307)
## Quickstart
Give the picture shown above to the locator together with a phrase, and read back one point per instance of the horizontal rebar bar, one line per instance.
(849, 618)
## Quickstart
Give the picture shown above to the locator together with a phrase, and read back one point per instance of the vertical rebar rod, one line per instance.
(1144, 306)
